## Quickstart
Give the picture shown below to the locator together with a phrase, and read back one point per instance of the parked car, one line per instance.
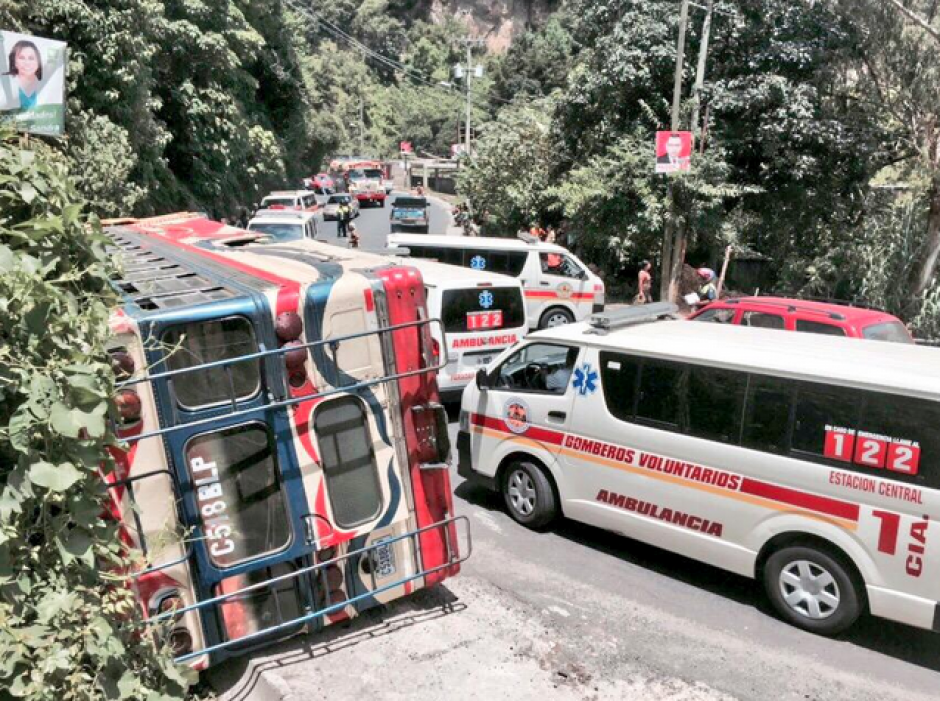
(321, 183)
(298, 200)
(410, 214)
(331, 208)
(281, 226)
(806, 315)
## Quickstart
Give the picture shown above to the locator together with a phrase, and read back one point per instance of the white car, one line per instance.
(297, 200)
(284, 225)
(331, 208)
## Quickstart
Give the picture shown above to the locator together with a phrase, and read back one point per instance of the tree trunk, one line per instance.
(927, 266)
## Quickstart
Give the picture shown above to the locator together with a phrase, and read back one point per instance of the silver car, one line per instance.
(331, 208)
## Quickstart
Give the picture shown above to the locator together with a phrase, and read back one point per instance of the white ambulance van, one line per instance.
(481, 314)
(811, 463)
(559, 288)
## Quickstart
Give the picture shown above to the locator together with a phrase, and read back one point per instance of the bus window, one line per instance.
(767, 418)
(619, 374)
(352, 478)
(819, 406)
(238, 493)
(715, 402)
(662, 387)
(202, 342)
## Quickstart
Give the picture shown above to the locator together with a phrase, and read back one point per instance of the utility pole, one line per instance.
(700, 69)
(470, 72)
(469, 104)
(362, 127)
(671, 253)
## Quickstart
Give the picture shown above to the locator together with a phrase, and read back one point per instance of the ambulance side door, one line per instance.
(566, 283)
(526, 408)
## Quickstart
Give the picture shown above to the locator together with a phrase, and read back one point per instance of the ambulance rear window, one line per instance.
(458, 305)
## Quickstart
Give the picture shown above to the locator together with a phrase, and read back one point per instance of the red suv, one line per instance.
(803, 315)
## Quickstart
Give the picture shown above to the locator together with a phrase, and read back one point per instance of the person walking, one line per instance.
(342, 220)
(353, 236)
(644, 287)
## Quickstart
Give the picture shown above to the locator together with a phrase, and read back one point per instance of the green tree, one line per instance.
(509, 177)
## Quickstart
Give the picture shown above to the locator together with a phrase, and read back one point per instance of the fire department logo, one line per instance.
(517, 415)
(564, 290)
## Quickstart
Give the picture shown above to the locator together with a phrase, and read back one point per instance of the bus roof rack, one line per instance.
(641, 314)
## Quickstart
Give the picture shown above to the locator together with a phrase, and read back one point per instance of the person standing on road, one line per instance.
(342, 220)
(353, 236)
(644, 288)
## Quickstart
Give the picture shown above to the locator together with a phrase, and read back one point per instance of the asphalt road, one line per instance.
(374, 225)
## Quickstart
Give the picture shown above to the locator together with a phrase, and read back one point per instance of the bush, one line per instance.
(69, 625)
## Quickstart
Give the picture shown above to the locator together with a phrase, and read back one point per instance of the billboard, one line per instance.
(673, 151)
(32, 83)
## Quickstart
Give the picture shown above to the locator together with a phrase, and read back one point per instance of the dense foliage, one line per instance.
(818, 145)
(68, 622)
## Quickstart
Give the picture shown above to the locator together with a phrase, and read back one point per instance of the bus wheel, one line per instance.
(529, 496)
(812, 590)
(556, 316)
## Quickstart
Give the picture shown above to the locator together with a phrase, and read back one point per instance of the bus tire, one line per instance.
(528, 494)
(556, 316)
(812, 589)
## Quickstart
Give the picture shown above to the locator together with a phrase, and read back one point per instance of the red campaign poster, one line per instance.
(904, 458)
(673, 151)
(870, 452)
(839, 444)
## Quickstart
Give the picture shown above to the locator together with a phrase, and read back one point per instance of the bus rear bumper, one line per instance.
(904, 608)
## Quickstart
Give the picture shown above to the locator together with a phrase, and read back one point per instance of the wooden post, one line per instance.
(724, 270)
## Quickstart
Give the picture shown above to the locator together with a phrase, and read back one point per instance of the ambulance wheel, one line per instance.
(528, 494)
(556, 316)
(812, 590)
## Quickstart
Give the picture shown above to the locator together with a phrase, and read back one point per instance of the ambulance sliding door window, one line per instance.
(714, 403)
(619, 375)
(662, 387)
(767, 414)
(202, 342)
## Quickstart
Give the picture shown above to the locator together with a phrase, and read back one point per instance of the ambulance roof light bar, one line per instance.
(527, 237)
(602, 323)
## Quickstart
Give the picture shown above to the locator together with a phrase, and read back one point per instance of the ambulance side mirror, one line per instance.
(483, 380)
